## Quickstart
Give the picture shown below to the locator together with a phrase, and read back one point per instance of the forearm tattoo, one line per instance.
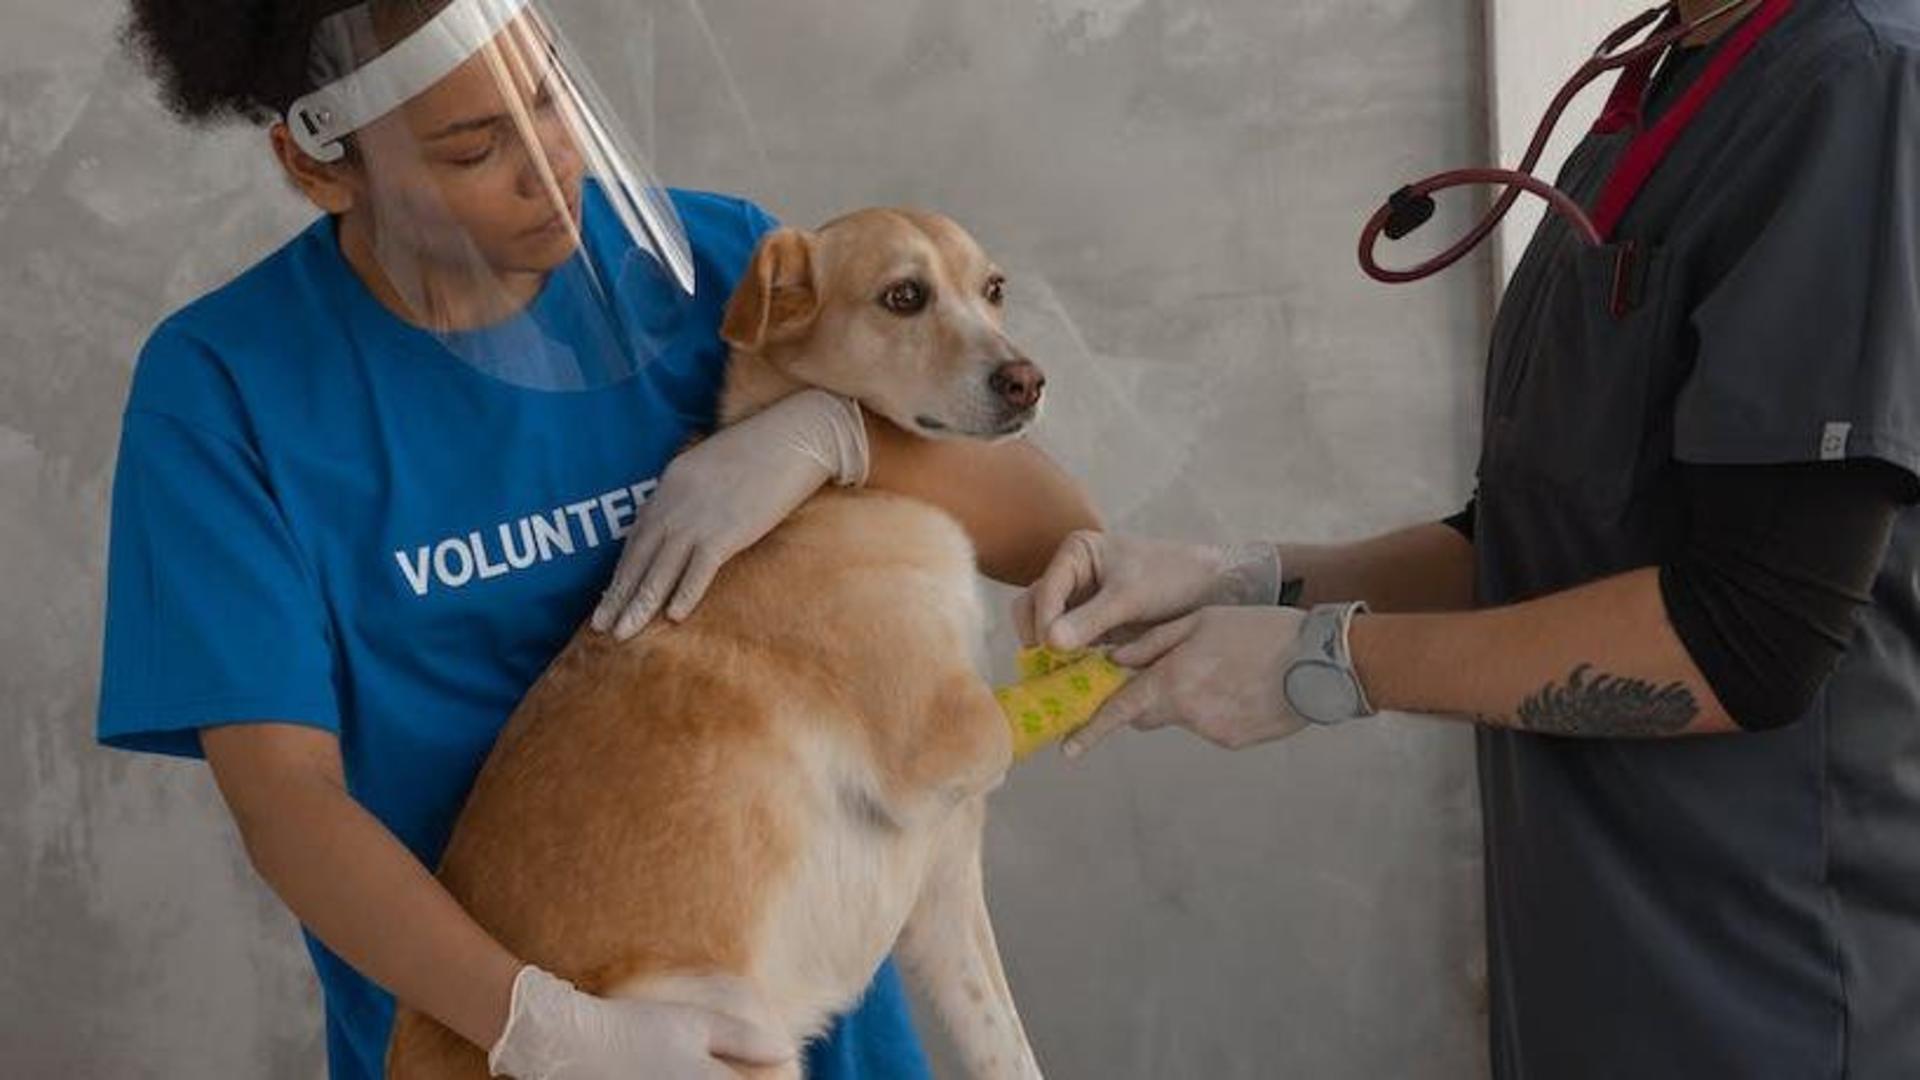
(1292, 590)
(1597, 705)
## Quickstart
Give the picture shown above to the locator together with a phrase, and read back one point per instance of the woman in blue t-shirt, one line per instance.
(363, 499)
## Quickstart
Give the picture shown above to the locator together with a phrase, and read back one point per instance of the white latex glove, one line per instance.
(1099, 583)
(724, 494)
(1218, 672)
(555, 1032)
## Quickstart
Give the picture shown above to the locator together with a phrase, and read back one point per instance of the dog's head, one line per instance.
(898, 309)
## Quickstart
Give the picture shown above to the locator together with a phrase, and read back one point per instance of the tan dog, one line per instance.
(792, 782)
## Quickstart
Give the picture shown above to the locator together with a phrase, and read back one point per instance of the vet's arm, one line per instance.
(1016, 504)
(1738, 630)
(1601, 660)
(352, 882)
(1422, 569)
(1105, 587)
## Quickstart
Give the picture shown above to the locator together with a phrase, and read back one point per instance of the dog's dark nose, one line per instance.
(1018, 383)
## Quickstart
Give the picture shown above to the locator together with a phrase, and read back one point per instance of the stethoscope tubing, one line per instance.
(1610, 56)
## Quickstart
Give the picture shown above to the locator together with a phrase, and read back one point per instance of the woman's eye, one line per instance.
(905, 298)
(472, 158)
(996, 291)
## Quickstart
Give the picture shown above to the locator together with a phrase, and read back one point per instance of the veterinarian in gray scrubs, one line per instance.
(1684, 607)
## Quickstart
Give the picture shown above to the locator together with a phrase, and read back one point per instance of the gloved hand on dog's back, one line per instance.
(722, 495)
(556, 1032)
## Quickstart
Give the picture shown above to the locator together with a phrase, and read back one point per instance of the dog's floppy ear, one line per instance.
(776, 301)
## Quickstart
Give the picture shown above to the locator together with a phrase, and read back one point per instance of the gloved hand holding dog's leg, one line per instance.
(556, 1032)
(721, 496)
(1218, 672)
(1099, 583)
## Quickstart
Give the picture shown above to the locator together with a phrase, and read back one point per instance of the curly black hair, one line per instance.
(238, 59)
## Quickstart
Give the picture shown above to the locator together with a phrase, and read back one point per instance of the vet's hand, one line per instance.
(724, 494)
(1100, 583)
(1218, 672)
(555, 1032)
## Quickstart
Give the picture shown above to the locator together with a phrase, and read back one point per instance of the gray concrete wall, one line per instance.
(1174, 185)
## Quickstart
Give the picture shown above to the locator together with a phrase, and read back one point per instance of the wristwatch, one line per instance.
(1320, 683)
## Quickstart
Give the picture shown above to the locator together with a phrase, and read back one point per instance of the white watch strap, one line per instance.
(1323, 653)
(1345, 652)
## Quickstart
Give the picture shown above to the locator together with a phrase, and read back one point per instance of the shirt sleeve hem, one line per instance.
(1692, 625)
(174, 730)
(1763, 448)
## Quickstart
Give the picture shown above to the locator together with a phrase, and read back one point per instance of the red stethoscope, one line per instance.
(1412, 206)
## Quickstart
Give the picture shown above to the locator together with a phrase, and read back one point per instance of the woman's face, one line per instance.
(483, 165)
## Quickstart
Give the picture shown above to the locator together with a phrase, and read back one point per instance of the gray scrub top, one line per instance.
(1745, 906)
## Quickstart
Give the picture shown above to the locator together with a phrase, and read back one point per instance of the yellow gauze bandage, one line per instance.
(1057, 694)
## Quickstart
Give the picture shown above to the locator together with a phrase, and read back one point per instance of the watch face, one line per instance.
(1321, 693)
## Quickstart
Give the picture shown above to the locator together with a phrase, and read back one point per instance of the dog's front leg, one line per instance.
(948, 950)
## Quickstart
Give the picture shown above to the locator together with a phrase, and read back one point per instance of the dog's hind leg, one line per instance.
(421, 1049)
(948, 951)
(737, 998)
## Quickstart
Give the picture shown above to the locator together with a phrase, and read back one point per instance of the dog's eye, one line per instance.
(905, 298)
(996, 290)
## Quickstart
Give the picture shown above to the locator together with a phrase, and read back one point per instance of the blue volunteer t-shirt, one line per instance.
(322, 517)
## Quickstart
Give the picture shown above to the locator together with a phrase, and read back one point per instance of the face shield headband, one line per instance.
(321, 121)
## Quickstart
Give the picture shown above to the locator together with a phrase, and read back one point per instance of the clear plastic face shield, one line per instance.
(498, 204)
